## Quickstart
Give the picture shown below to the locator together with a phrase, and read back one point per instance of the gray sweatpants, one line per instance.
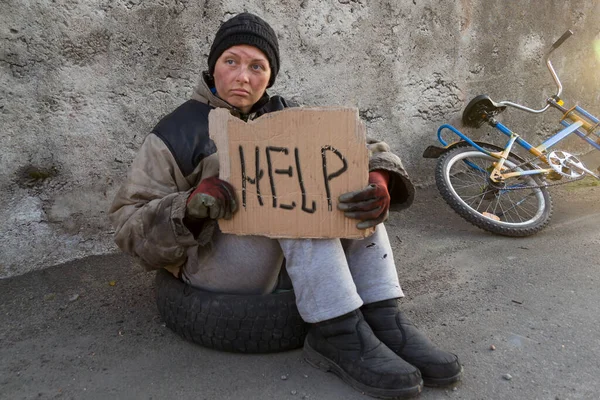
(331, 277)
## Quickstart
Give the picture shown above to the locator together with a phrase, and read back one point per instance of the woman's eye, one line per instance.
(229, 62)
(257, 67)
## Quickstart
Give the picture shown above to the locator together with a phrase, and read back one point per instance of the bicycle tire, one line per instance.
(234, 323)
(473, 202)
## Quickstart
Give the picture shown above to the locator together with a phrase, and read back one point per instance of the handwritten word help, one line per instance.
(281, 161)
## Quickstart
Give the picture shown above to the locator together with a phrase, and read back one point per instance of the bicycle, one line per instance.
(494, 188)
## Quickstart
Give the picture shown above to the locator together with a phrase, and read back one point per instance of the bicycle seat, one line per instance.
(480, 109)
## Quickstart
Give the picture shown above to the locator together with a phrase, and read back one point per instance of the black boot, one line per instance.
(347, 346)
(438, 368)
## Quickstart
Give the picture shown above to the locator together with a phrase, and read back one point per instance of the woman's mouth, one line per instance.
(240, 92)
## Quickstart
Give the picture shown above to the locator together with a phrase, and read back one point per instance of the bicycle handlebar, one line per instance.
(562, 39)
(559, 87)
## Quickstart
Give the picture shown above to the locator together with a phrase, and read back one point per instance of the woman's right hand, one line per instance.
(213, 198)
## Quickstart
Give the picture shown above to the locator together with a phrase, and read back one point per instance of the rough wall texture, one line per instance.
(82, 82)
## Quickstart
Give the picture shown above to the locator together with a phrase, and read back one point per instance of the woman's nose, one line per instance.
(242, 75)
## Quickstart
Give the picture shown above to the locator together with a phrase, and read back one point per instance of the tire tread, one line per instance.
(234, 323)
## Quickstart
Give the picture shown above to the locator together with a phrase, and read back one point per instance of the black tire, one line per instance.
(468, 191)
(235, 323)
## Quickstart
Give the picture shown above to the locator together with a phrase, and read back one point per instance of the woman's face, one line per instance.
(241, 76)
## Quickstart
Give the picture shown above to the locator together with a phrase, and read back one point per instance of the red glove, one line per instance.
(370, 205)
(213, 198)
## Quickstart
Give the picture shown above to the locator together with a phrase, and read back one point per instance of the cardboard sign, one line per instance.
(289, 168)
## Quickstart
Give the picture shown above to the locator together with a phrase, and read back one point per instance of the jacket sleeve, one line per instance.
(149, 209)
(402, 191)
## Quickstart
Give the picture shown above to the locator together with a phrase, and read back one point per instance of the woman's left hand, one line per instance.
(370, 205)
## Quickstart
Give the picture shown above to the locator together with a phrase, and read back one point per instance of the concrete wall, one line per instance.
(82, 82)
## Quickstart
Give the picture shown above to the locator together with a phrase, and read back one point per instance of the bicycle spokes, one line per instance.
(511, 201)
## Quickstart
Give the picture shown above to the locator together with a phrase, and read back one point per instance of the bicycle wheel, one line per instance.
(517, 207)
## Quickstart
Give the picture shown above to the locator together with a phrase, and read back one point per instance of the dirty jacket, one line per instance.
(148, 210)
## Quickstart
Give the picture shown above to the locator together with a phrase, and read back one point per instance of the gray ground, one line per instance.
(535, 299)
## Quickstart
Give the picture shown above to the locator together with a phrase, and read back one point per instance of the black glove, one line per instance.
(370, 205)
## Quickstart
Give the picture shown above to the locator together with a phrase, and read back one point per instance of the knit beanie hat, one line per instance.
(246, 28)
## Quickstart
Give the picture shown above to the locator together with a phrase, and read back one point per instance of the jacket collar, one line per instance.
(204, 94)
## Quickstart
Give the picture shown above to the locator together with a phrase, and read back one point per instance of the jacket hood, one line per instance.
(203, 93)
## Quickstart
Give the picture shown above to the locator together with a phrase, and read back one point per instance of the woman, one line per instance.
(165, 215)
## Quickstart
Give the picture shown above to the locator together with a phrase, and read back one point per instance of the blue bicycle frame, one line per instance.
(570, 127)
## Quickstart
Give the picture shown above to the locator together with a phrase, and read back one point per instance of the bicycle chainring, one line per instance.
(566, 164)
(531, 163)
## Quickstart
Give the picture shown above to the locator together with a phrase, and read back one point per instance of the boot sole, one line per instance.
(441, 382)
(323, 363)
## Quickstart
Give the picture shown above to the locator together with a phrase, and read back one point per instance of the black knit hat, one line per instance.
(246, 28)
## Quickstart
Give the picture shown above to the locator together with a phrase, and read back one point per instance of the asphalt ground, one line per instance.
(89, 329)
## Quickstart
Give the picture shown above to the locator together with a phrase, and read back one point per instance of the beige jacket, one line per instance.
(149, 208)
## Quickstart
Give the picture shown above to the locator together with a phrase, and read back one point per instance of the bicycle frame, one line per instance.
(575, 120)
(577, 124)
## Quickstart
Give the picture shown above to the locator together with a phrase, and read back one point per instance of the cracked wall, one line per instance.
(82, 82)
